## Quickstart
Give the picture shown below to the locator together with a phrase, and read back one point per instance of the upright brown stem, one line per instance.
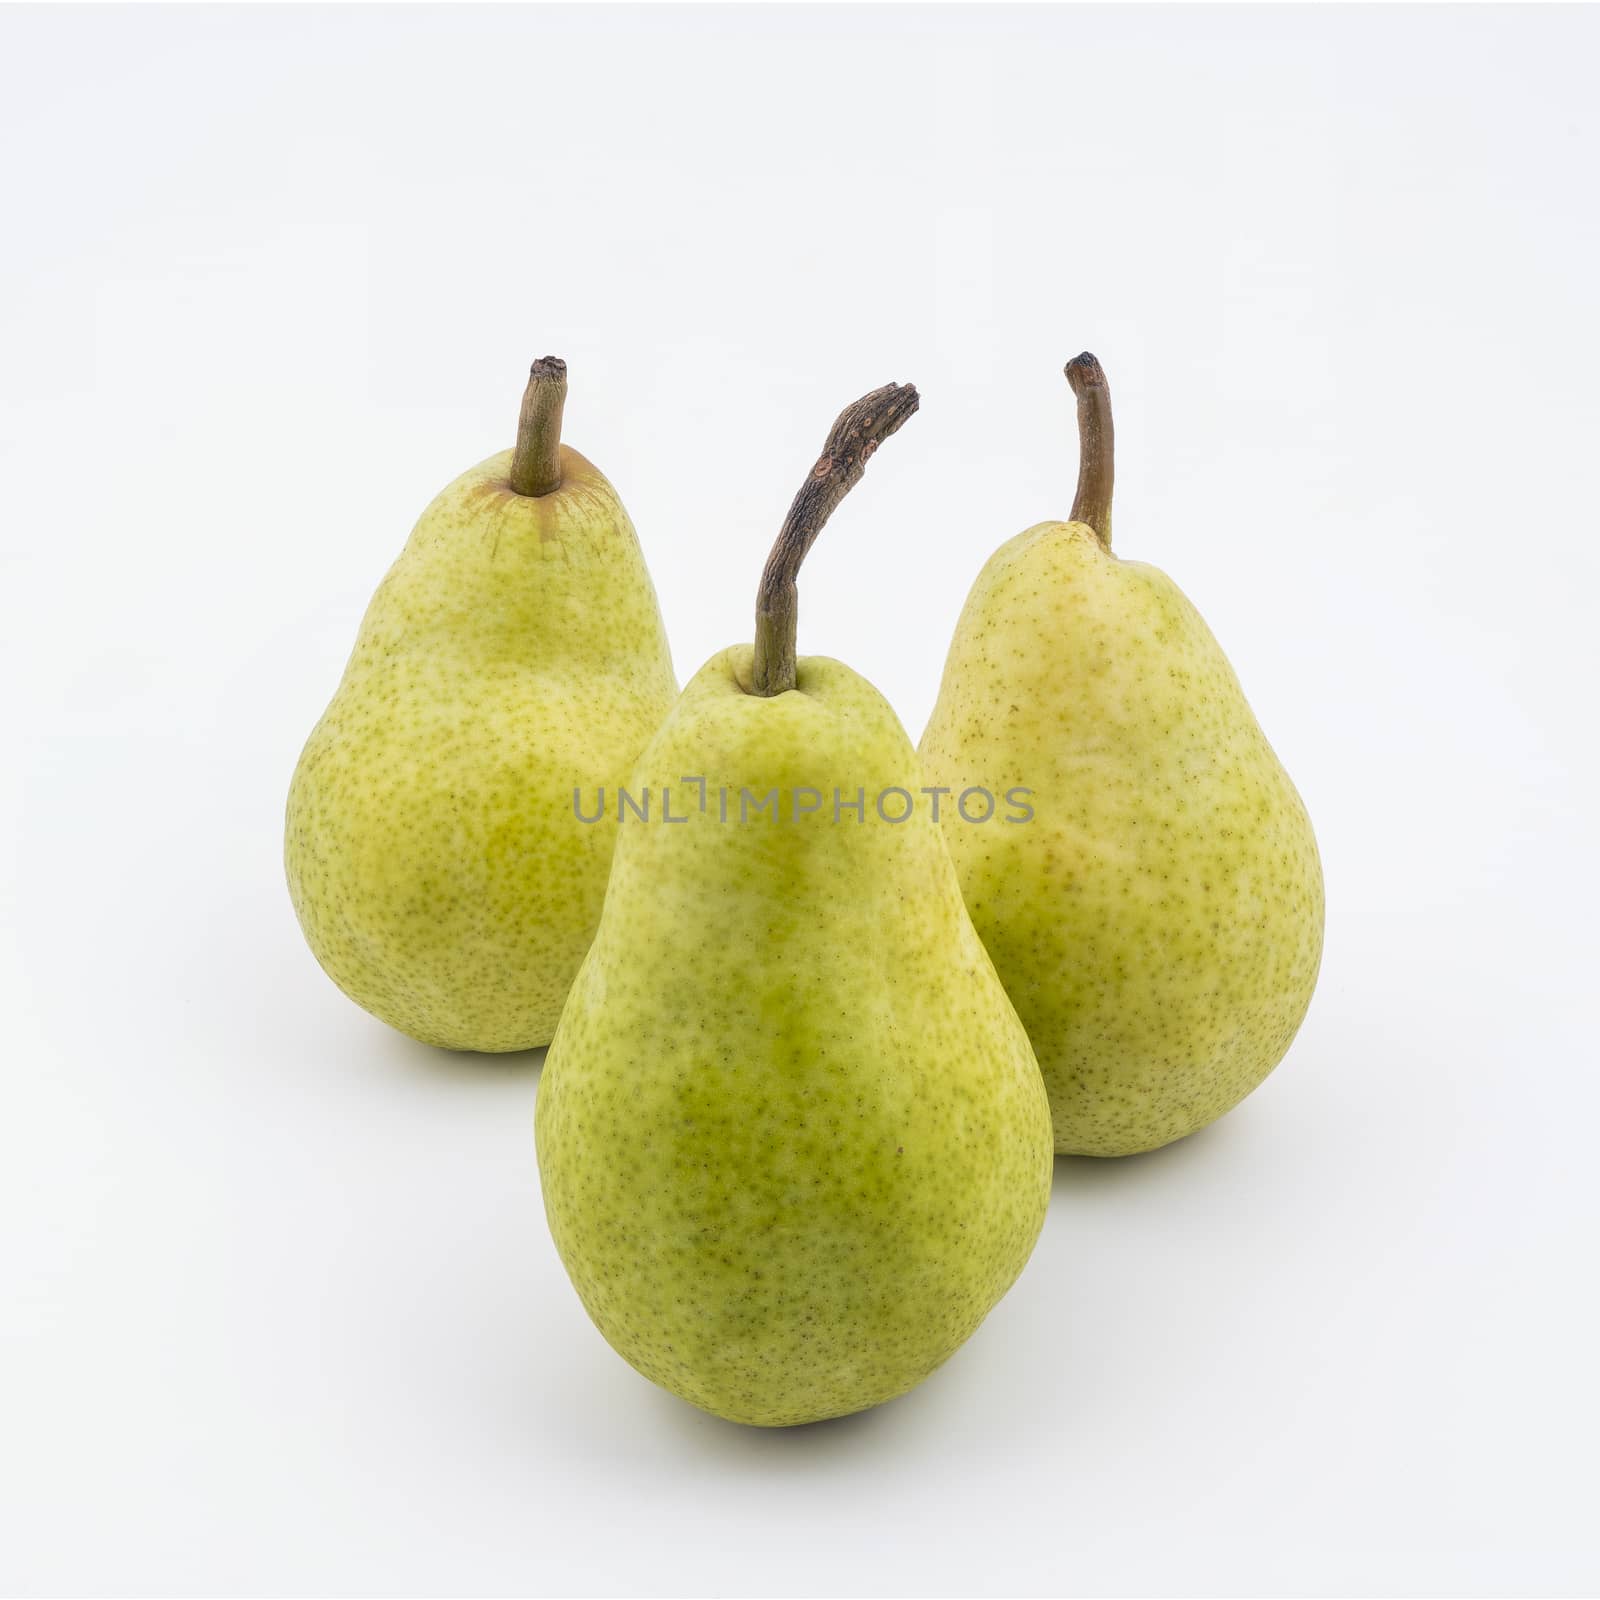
(1092, 503)
(861, 428)
(536, 463)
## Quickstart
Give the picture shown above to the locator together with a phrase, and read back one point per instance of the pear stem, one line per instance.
(860, 429)
(1092, 503)
(536, 462)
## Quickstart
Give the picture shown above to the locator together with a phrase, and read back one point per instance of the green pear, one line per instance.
(1158, 921)
(514, 653)
(793, 1141)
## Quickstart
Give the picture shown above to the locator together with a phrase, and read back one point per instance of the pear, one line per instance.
(514, 652)
(1158, 920)
(792, 1139)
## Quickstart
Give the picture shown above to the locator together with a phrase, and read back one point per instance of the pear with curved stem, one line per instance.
(514, 654)
(793, 1142)
(1158, 922)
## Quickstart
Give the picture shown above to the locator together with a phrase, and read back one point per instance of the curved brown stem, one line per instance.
(1092, 503)
(861, 428)
(536, 462)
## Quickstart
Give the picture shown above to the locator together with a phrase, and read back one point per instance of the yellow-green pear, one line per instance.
(1158, 921)
(793, 1141)
(513, 654)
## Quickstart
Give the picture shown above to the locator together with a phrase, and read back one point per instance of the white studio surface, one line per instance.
(278, 1310)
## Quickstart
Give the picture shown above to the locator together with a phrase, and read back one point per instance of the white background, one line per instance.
(278, 1307)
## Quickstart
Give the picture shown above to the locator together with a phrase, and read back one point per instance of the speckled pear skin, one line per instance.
(1158, 924)
(514, 651)
(793, 1141)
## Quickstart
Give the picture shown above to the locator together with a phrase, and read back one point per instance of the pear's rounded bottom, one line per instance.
(477, 1044)
(1085, 1125)
(469, 1042)
(797, 1414)
(1113, 1152)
